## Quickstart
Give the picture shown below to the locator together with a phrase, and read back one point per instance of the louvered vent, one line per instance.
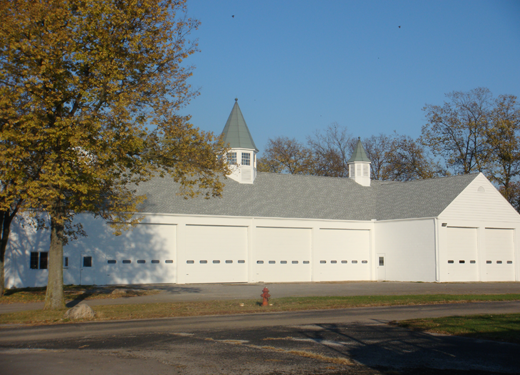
(246, 174)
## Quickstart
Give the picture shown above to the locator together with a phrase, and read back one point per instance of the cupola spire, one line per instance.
(359, 165)
(242, 156)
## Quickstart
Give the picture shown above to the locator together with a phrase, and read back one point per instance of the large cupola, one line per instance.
(359, 165)
(242, 155)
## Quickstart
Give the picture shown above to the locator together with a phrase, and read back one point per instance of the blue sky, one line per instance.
(298, 66)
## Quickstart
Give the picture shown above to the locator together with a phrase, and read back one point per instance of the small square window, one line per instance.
(87, 261)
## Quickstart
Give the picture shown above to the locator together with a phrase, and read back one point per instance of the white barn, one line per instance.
(290, 228)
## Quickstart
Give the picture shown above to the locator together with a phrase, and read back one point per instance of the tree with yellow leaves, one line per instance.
(89, 91)
(503, 138)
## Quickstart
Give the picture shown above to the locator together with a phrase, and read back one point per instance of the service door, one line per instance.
(343, 254)
(460, 259)
(282, 254)
(381, 267)
(215, 254)
(499, 264)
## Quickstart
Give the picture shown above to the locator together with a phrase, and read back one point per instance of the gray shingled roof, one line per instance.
(236, 132)
(295, 196)
(420, 198)
(359, 153)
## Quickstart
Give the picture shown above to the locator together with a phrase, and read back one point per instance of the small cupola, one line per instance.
(359, 165)
(242, 156)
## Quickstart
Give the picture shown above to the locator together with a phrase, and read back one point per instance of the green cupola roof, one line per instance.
(359, 153)
(236, 132)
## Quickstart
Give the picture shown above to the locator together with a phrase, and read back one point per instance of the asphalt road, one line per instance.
(344, 341)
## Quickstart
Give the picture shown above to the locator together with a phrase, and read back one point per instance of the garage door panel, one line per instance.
(146, 254)
(282, 254)
(215, 254)
(343, 255)
(460, 260)
(499, 264)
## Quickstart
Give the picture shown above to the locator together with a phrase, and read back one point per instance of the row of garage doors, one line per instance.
(220, 254)
(215, 254)
(461, 261)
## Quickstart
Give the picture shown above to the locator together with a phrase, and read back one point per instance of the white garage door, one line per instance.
(499, 255)
(214, 254)
(460, 260)
(342, 255)
(142, 255)
(282, 254)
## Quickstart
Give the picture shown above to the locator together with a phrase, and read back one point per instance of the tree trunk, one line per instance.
(5, 226)
(3, 245)
(54, 299)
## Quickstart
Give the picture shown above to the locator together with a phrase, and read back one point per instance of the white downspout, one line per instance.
(436, 238)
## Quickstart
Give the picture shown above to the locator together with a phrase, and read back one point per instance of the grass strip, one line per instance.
(225, 307)
(72, 292)
(499, 327)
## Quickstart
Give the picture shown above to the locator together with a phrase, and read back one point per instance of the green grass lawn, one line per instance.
(223, 307)
(504, 327)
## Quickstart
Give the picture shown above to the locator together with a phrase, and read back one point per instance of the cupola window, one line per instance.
(232, 158)
(246, 158)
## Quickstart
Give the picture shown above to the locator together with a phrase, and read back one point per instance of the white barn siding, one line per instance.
(480, 201)
(409, 249)
(479, 208)
(22, 240)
